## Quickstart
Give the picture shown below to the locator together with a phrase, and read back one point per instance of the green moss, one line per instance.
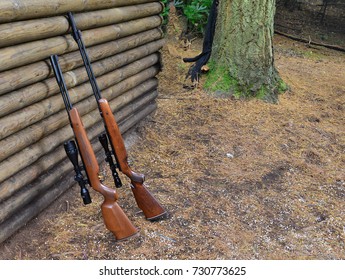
(282, 86)
(219, 80)
(262, 92)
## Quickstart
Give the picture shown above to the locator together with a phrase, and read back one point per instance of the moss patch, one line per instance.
(282, 86)
(219, 82)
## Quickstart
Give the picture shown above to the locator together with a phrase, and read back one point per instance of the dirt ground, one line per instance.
(305, 21)
(240, 179)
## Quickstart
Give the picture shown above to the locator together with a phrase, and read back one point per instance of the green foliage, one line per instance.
(165, 12)
(196, 11)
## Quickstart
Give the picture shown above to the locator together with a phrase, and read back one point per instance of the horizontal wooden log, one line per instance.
(15, 202)
(34, 93)
(31, 30)
(26, 137)
(72, 60)
(31, 210)
(27, 156)
(14, 10)
(29, 74)
(38, 111)
(23, 54)
(47, 161)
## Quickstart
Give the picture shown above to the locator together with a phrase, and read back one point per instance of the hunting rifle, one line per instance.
(114, 217)
(144, 199)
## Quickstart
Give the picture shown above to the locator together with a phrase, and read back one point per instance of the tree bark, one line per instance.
(243, 48)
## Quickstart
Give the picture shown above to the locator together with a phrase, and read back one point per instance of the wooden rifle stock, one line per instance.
(144, 199)
(114, 218)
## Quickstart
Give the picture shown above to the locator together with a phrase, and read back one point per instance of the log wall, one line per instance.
(123, 40)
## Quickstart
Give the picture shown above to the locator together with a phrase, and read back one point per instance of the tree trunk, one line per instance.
(242, 50)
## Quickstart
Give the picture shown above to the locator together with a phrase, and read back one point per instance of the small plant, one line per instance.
(165, 12)
(196, 11)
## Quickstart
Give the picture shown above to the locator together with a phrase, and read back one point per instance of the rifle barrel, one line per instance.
(77, 37)
(54, 60)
